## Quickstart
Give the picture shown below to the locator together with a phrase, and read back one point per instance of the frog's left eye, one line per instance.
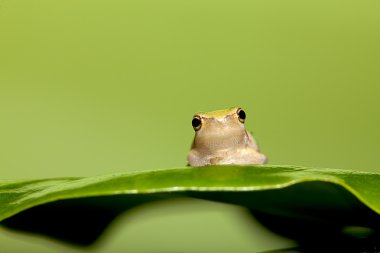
(241, 115)
(196, 122)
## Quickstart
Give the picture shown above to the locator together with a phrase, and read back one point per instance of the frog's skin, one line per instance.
(221, 138)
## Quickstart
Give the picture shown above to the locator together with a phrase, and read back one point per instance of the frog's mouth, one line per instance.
(219, 141)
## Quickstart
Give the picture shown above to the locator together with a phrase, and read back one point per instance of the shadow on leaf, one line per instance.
(76, 221)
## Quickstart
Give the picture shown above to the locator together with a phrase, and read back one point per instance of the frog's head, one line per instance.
(219, 129)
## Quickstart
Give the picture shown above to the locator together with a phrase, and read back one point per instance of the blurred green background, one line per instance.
(97, 87)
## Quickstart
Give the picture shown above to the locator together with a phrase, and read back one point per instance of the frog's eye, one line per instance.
(196, 122)
(241, 115)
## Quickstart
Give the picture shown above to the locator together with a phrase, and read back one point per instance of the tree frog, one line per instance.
(221, 138)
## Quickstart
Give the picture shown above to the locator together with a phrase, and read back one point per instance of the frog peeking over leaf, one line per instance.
(221, 138)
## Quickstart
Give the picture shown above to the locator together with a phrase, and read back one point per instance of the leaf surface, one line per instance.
(77, 210)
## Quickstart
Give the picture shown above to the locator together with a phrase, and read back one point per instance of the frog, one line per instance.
(222, 139)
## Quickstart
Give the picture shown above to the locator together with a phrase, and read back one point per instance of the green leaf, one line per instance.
(296, 201)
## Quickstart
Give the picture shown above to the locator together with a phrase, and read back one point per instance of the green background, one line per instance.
(97, 87)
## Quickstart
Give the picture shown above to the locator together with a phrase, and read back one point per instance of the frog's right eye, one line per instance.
(196, 122)
(241, 115)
